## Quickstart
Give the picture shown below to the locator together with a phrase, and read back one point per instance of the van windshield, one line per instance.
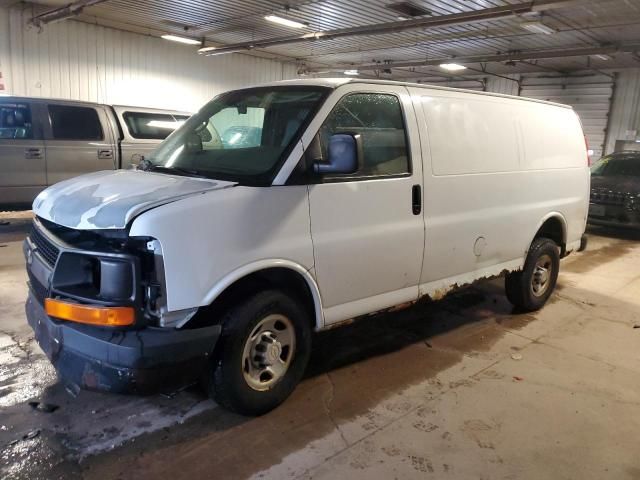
(627, 164)
(242, 136)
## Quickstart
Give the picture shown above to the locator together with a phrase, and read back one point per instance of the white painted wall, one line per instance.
(80, 61)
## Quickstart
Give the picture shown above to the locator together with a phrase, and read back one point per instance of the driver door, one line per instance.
(367, 226)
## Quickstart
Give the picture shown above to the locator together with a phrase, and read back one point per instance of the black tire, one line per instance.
(518, 285)
(228, 385)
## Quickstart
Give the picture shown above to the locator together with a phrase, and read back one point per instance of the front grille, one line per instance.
(47, 250)
(607, 197)
(39, 290)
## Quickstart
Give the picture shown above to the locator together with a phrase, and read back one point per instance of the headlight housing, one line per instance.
(102, 279)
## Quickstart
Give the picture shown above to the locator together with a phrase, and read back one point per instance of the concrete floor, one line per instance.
(461, 388)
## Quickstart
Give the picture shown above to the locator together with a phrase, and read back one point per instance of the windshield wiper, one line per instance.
(176, 170)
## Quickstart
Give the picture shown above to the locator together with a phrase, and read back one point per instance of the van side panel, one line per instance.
(551, 137)
(471, 134)
(488, 183)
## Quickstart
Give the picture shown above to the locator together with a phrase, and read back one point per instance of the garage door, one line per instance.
(590, 96)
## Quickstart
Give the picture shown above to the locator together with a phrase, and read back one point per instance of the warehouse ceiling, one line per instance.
(391, 38)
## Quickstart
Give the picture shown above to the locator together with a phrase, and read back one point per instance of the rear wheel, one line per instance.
(262, 353)
(530, 288)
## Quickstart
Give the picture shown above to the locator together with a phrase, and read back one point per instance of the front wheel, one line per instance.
(262, 353)
(530, 288)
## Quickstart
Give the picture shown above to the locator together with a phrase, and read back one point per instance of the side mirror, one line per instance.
(193, 143)
(344, 151)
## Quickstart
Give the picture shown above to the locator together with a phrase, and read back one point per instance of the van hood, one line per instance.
(111, 199)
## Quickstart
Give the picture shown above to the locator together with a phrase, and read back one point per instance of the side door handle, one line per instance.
(416, 199)
(105, 154)
(32, 153)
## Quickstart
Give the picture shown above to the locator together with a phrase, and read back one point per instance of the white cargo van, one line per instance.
(292, 207)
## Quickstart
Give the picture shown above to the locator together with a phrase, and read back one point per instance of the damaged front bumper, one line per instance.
(128, 361)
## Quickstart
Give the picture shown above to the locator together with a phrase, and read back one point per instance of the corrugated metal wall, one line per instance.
(589, 95)
(87, 62)
(507, 86)
(625, 112)
(81, 61)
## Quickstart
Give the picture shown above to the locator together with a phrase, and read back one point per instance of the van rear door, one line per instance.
(78, 140)
(22, 152)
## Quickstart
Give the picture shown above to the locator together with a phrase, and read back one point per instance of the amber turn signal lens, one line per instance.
(104, 316)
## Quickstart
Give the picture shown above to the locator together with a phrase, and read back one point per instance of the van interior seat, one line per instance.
(385, 150)
(14, 124)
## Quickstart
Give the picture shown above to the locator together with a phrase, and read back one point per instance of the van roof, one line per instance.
(337, 82)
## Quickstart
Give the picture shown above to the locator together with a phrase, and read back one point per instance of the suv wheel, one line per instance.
(530, 288)
(262, 353)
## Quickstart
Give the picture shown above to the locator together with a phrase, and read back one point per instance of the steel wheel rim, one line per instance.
(268, 352)
(541, 278)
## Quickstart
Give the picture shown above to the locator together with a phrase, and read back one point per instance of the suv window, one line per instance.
(75, 123)
(378, 119)
(625, 164)
(152, 126)
(15, 121)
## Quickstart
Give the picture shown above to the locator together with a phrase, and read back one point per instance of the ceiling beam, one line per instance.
(466, 18)
(503, 57)
(62, 13)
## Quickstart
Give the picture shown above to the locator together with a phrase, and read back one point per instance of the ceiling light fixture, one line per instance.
(213, 51)
(284, 21)
(452, 67)
(176, 38)
(351, 72)
(602, 57)
(537, 27)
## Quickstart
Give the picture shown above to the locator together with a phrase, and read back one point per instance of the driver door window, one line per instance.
(378, 119)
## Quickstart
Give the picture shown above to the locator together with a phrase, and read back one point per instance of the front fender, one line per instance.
(254, 267)
(212, 239)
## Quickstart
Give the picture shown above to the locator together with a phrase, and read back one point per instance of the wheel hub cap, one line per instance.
(541, 275)
(272, 349)
(268, 352)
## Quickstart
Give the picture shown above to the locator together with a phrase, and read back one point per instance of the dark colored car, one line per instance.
(615, 190)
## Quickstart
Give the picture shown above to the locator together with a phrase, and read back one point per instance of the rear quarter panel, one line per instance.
(494, 169)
